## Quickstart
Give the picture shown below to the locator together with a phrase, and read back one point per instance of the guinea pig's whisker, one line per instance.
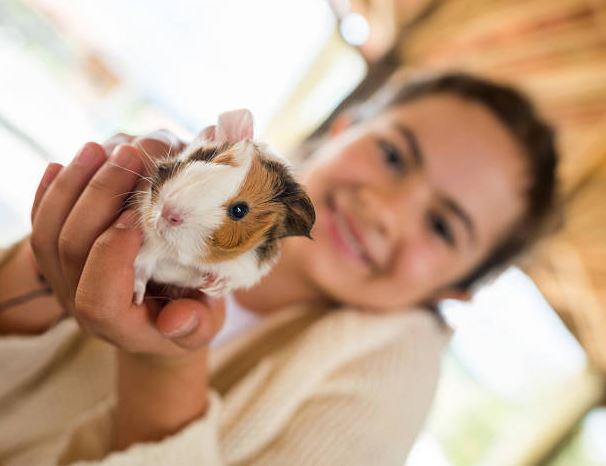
(142, 149)
(139, 223)
(136, 200)
(149, 158)
(146, 178)
(128, 192)
(167, 156)
(150, 165)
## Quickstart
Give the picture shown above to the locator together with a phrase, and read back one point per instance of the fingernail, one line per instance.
(86, 156)
(185, 328)
(50, 173)
(127, 220)
(121, 155)
(163, 136)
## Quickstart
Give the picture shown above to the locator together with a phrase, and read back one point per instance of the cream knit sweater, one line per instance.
(302, 388)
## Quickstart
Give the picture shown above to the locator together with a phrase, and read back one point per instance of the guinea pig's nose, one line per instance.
(171, 215)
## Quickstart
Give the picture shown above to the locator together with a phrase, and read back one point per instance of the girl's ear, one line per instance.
(340, 123)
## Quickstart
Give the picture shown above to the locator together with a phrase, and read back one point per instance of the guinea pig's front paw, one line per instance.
(139, 291)
(214, 285)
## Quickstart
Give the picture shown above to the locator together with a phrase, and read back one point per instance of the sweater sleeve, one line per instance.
(196, 444)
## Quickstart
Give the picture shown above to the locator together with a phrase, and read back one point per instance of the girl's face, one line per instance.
(410, 202)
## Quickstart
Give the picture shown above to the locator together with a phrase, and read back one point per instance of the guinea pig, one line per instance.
(212, 216)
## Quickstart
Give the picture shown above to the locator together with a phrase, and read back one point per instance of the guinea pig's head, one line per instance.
(268, 205)
(219, 199)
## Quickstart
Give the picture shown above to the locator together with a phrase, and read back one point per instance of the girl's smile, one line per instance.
(347, 239)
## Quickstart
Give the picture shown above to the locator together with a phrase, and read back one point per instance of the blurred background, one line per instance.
(523, 380)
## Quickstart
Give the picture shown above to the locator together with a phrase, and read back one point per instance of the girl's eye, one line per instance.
(392, 156)
(440, 227)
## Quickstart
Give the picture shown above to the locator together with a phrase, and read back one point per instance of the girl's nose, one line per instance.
(398, 210)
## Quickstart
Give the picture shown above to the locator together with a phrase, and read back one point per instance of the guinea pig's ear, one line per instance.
(300, 212)
(234, 126)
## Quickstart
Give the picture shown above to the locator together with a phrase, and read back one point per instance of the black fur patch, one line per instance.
(207, 153)
(165, 171)
(300, 212)
(269, 247)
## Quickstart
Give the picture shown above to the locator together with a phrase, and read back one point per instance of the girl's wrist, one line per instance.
(158, 395)
(167, 362)
(27, 304)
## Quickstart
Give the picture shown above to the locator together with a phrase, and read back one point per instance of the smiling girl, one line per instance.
(333, 357)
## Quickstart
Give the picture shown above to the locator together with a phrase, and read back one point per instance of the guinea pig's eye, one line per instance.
(237, 211)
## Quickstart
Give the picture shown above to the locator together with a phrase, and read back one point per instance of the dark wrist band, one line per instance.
(44, 290)
(24, 298)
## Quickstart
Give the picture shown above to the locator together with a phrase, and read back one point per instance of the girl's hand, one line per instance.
(87, 255)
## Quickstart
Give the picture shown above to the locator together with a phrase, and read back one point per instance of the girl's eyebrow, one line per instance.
(450, 204)
(413, 143)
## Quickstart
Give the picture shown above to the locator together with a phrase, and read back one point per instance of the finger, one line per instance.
(121, 138)
(52, 170)
(162, 136)
(105, 289)
(208, 133)
(104, 196)
(158, 145)
(190, 323)
(54, 208)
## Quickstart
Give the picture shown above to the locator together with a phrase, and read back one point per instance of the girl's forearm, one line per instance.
(158, 398)
(26, 304)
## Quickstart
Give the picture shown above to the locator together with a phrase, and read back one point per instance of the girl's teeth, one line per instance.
(347, 234)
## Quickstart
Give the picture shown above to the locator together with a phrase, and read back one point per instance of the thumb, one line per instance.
(191, 323)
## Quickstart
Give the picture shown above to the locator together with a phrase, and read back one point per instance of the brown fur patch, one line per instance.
(236, 237)
(226, 158)
(278, 208)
